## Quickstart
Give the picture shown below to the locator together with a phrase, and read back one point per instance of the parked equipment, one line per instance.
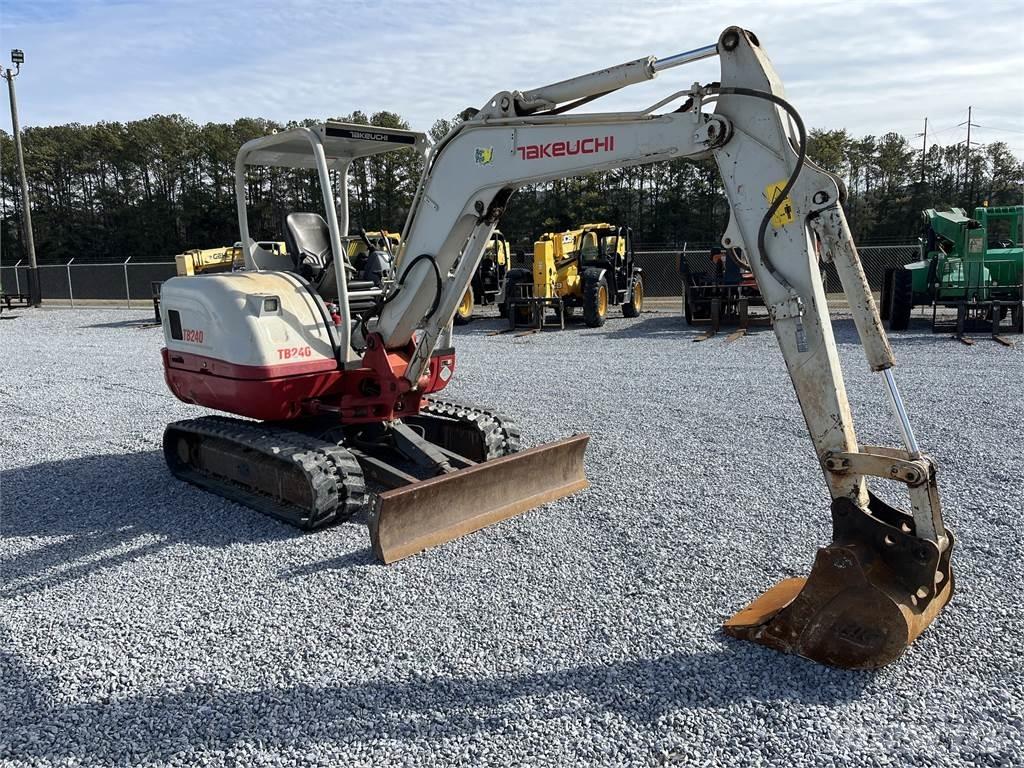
(14, 301)
(588, 268)
(373, 241)
(974, 265)
(337, 391)
(208, 261)
(725, 295)
(488, 280)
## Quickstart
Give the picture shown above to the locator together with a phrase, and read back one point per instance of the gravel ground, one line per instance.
(147, 622)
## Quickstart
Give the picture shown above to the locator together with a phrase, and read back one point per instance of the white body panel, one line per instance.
(231, 317)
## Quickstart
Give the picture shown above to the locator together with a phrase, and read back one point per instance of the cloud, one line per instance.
(867, 66)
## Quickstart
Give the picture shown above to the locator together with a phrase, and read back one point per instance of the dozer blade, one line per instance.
(868, 597)
(410, 519)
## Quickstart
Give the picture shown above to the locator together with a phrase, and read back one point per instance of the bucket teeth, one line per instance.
(860, 607)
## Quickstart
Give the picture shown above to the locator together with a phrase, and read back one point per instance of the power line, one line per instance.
(943, 130)
(994, 128)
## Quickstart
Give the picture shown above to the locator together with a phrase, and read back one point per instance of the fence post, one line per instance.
(682, 269)
(71, 293)
(17, 281)
(127, 290)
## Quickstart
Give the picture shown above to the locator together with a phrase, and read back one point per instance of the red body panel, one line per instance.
(374, 392)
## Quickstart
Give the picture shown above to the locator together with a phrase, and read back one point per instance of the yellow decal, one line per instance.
(784, 214)
(484, 155)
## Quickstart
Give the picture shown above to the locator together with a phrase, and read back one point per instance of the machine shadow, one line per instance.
(499, 326)
(661, 324)
(98, 512)
(481, 326)
(141, 323)
(918, 334)
(358, 558)
(640, 690)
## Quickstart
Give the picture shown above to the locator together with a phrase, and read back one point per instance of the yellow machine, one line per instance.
(206, 260)
(210, 261)
(381, 241)
(203, 261)
(488, 280)
(589, 267)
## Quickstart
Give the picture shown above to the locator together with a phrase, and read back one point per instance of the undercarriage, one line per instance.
(312, 472)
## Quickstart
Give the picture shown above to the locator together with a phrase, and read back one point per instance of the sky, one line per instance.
(870, 67)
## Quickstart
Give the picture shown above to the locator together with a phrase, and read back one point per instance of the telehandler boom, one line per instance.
(870, 593)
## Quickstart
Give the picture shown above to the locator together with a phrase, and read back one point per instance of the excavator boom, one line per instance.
(886, 574)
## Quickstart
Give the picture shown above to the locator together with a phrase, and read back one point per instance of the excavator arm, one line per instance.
(886, 574)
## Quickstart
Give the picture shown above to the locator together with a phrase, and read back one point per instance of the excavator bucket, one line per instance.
(868, 597)
(410, 519)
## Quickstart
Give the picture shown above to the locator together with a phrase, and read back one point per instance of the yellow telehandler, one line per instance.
(590, 268)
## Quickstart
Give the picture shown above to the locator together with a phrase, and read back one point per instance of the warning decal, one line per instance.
(784, 215)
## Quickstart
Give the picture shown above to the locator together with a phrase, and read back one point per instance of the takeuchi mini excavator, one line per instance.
(340, 377)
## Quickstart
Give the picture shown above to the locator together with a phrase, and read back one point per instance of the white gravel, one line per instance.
(143, 621)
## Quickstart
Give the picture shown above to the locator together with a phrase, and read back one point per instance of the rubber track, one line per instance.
(499, 433)
(333, 473)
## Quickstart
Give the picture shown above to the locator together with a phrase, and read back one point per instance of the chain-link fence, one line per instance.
(662, 275)
(128, 282)
(132, 281)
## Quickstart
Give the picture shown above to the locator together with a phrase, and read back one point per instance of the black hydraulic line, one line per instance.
(405, 273)
(400, 283)
(801, 157)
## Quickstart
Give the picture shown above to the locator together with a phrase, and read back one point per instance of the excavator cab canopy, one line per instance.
(341, 142)
(331, 146)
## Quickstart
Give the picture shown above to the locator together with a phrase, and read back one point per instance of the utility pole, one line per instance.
(968, 176)
(35, 295)
(924, 149)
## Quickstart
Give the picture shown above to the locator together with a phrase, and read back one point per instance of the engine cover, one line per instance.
(251, 343)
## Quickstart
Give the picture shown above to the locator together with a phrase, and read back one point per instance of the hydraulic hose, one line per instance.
(801, 157)
(400, 283)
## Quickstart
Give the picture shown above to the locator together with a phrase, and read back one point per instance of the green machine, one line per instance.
(974, 265)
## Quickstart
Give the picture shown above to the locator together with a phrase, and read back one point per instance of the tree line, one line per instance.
(155, 187)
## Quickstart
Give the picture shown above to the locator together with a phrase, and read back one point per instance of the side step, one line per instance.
(410, 519)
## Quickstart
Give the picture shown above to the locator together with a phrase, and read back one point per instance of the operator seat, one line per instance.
(309, 243)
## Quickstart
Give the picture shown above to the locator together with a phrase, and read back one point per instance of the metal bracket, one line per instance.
(713, 132)
(414, 447)
(896, 464)
(792, 307)
(891, 463)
